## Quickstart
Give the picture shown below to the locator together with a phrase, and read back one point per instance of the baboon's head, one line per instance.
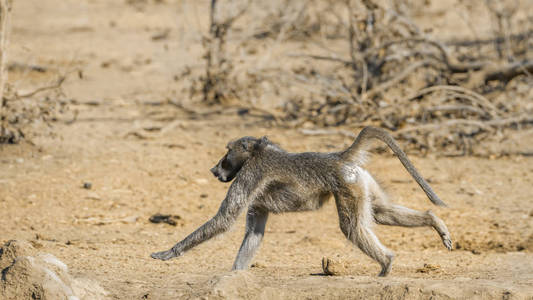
(239, 151)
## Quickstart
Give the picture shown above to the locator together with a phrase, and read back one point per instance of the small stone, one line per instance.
(331, 267)
(93, 196)
(169, 219)
(201, 181)
(87, 185)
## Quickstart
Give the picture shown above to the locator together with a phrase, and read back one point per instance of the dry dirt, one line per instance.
(103, 233)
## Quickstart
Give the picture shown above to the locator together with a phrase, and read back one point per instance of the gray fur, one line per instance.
(271, 180)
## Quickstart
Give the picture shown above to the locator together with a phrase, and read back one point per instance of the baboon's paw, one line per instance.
(385, 269)
(164, 255)
(447, 241)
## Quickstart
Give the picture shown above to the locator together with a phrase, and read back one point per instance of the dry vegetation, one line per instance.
(21, 111)
(367, 63)
(350, 63)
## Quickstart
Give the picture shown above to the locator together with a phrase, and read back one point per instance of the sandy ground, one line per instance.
(103, 233)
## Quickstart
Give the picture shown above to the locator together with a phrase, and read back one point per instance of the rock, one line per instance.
(332, 268)
(27, 274)
(13, 249)
(234, 285)
(169, 219)
(201, 181)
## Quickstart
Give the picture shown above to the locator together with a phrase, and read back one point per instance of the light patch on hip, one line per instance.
(352, 173)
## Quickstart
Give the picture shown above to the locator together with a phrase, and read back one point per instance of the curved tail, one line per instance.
(372, 132)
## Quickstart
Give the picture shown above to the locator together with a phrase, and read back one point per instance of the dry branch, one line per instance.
(398, 78)
(445, 58)
(215, 84)
(490, 41)
(53, 86)
(471, 95)
(486, 125)
(509, 72)
(5, 29)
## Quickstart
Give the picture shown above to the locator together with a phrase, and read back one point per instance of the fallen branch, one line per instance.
(54, 86)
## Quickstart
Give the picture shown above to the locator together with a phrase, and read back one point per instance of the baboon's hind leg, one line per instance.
(355, 218)
(397, 215)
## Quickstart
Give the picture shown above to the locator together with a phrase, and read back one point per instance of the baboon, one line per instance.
(270, 180)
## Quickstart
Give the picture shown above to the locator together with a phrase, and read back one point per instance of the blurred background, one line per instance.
(448, 75)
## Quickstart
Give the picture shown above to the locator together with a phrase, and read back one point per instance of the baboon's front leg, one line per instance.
(255, 229)
(215, 226)
(397, 215)
(236, 199)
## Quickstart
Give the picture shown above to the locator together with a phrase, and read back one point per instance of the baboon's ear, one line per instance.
(264, 140)
(250, 145)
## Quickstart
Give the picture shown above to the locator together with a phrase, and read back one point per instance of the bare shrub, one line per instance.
(363, 62)
(19, 113)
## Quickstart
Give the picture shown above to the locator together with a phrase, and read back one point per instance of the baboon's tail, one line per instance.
(372, 132)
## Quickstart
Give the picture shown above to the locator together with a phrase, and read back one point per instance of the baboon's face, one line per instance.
(239, 152)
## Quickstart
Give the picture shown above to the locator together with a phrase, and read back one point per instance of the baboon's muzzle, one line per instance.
(218, 175)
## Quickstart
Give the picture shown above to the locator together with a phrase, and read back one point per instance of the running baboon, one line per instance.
(269, 179)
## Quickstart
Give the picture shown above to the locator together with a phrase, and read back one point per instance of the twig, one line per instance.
(498, 40)
(486, 125)
(54, 86)
(356, 57)
(226, 108)
(401, 76)
(452, 66)
(507, 73)
(215, 70)
(457, 108)
(513, 120)
(100, 221)
(475, 97)
(322, 57)
(447, 123)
